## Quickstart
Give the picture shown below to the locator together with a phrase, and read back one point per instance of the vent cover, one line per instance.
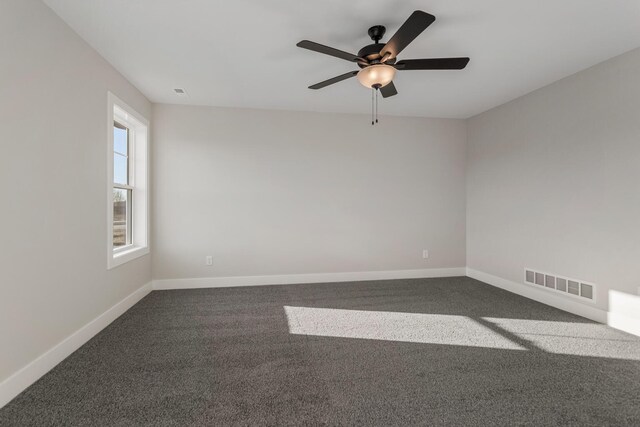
(180, 91)
(561, 284)
(529, 276)
(574, 287)
(565, 285)
(550, 281)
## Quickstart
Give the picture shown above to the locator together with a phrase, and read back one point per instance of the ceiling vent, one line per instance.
(180, 91)
(560, 284)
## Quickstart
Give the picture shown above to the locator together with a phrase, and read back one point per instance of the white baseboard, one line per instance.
(541, 295)
(286, 279)
(29, 374)
(623, 308)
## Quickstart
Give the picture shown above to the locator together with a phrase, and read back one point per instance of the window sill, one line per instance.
(125, 256)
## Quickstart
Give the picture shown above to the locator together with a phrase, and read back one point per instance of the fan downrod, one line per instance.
(371, 53)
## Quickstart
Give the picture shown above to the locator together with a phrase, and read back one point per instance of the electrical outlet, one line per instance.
(425, 254)
(208, 260)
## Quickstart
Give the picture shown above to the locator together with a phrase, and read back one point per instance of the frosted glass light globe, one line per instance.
(378, 74)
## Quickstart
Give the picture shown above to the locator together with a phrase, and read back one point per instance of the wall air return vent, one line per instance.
(529, 276)
(586, 290)
(550, 281)
(559, 284)
(574, 287)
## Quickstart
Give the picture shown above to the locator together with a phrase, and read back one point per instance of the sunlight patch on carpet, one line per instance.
(572, 338)
(393, 326)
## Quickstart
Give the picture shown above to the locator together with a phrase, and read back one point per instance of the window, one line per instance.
(127, 193)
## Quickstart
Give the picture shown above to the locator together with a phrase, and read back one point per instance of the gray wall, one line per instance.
(553, 181)
(53, 130)
(273, 192)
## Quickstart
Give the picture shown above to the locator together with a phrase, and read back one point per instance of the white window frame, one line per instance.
(138, 156)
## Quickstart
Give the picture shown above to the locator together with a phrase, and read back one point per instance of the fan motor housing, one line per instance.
(372, 54)
(371, 51)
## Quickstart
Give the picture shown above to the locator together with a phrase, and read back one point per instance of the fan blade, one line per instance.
(388, 90)
(317, 47)
(336, 79)
(412, 27)
(432, 64)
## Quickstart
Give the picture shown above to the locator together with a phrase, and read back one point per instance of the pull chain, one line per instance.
(374, 104)
(377, 105)
(372, 110)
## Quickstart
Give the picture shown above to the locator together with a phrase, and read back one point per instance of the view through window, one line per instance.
(122, 188)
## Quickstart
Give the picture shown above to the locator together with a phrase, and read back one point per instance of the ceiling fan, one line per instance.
(377, 62)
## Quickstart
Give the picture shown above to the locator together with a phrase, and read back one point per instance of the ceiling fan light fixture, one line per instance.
(377, 75)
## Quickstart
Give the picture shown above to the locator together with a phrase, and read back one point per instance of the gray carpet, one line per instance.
(448, 351)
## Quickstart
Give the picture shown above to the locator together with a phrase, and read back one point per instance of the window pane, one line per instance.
(120, 169)
(120, 139)
(121, 217)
